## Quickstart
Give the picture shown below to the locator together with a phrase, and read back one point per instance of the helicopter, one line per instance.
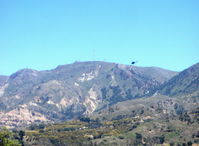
(134, 62)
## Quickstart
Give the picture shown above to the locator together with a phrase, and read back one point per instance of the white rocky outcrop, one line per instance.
(2, 89)
(91, 101)
(89, 76)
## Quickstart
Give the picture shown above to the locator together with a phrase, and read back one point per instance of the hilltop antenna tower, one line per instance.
(93, 55)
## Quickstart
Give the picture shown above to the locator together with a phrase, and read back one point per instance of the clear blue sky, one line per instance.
(42, 34)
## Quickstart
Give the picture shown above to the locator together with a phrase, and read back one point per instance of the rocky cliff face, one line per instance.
(72, 90)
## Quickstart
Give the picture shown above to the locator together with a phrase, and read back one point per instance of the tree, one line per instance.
(6, 138)
(21, 135)
(85, 119)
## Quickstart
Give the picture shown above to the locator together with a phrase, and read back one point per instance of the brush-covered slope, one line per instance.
(185, 82)
(159, 119)
(156, 120)
(3, 79)
(74, 89)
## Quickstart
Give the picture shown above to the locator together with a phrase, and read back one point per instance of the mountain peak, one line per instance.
(24, 72)
(72, 90)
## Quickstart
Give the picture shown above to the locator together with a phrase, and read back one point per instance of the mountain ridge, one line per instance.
(71, 90)
(185, 82)
(98, 103)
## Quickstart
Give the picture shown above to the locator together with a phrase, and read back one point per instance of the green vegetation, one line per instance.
(126, 131)
(156, 120)
(8, 138)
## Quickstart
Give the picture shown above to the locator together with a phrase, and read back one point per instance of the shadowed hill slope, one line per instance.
(185, 82)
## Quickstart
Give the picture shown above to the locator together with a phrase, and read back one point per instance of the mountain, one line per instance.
(3, 79)
(117, 105)
(72, 90)
(169, 119)
(174, 97)
(186, 82)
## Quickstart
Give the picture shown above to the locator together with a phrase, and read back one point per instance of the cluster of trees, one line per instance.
(8, 138)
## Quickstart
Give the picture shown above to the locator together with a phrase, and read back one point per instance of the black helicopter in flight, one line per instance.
(134, 62)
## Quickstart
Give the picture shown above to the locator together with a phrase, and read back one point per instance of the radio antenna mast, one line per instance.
(93, 58)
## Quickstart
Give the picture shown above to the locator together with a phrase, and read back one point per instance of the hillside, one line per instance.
(72, 90)
(146, 121)
(157, 119)
(186, 82)
(3, 79)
